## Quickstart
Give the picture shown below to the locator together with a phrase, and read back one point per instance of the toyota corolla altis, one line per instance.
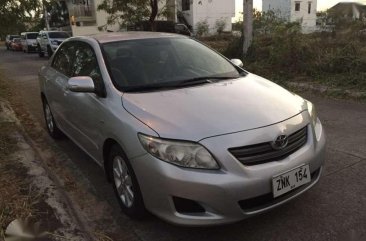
(181, 131)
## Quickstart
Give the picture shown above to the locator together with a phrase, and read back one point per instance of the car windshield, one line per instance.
(58, 35)
(16, 40)
(13, 37)
(148, 64)
(32, 35)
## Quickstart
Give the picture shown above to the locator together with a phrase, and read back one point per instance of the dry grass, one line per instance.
(17, 196)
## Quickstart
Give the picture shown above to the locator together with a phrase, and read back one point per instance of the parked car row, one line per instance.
(44, 42)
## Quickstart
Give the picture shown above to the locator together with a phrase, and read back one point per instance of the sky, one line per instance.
(322, 4)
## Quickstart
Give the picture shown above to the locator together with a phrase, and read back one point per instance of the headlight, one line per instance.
(312, 113)
(181, 153)
(54, 42)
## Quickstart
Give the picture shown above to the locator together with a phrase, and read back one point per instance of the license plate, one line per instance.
(290, 180)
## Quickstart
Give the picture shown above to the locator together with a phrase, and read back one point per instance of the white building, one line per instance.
(196, 11)
(303, 11)
(84, 17)
(191, 12)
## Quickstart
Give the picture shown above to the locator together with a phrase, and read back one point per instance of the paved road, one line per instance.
(334, 210)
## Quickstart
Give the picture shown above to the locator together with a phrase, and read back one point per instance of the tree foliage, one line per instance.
(18, 15)
(130, 12)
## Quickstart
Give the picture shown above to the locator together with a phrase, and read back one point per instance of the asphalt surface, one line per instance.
(335, 209)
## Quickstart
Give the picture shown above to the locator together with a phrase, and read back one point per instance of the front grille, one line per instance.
(266, 200)
(264, 152)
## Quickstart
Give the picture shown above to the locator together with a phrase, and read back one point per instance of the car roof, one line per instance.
(51, 31)
(120, 36)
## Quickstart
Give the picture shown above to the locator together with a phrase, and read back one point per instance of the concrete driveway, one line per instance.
(334, 210)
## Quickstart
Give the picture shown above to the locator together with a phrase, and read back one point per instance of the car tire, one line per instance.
(51, 125)
(49, 51)
(40, 53)
(125, 184)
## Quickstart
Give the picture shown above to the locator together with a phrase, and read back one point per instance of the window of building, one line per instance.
(297, 6)
(186, 5)
(309, 7)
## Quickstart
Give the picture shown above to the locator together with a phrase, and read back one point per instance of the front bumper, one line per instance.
(32, 48)
(225, 193)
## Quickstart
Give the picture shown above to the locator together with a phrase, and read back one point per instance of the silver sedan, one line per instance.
(181, 131)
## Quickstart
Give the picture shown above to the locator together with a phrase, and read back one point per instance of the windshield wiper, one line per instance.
(202, 80)
(182, 83)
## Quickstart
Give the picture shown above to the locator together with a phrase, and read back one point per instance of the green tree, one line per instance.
(17, 15)
(130, 12)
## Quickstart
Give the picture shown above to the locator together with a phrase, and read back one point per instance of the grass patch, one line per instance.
(282, 53)
(17, 196)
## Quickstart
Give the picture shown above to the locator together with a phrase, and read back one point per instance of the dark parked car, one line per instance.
(8, 40)
(162, 26)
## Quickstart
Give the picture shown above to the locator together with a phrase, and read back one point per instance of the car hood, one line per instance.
(198, 112)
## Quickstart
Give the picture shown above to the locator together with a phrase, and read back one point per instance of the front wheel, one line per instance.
(52, 128)
(49, 51)
(40, 53)
(125, 184)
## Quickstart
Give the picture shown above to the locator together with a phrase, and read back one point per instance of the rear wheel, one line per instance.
(125, 184)
(52, 128)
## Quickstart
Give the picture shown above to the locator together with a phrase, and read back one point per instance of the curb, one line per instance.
(73, 225)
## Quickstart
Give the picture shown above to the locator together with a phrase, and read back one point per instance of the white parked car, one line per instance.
(29, 41)
(48, 41)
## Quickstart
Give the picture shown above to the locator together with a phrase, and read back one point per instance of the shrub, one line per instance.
(202, 28)
(220, 25)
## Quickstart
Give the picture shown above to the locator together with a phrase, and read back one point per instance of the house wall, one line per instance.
(210, 11)
(307, 20)
(286, 9)
(282, 8)
(200, 10)
(90, 26)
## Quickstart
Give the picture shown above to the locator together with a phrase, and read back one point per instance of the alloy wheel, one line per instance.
(123, 181)
(49, 118)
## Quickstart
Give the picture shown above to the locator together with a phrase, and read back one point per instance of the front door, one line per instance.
(86, 110)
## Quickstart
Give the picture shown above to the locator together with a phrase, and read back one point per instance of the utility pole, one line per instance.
(46, 15)
(248, 25)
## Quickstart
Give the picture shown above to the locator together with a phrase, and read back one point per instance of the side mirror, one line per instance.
(237, 62)
(82, 84)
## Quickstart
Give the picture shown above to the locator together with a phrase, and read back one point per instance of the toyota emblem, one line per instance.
(280, 142)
